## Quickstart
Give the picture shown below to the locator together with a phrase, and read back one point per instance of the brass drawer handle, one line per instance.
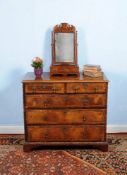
(39, 88)
(55, 89)
(65, 69)
(46, 101)
(75, 89)
(86, 100)
(33, 88)
(44, 87)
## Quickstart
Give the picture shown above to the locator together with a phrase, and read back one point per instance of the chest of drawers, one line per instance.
(65, 112)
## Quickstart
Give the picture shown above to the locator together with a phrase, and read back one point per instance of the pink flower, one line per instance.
(37, 62)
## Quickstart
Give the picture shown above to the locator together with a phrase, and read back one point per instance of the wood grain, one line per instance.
(65, 111)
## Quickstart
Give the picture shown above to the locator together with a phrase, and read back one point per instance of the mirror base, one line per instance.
(64, 71)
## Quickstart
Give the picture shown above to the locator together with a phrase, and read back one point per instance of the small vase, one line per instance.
(38, 72)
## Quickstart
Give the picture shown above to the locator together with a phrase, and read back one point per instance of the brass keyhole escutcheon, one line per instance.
(65, 113)
(46, 102)
(65, 98)
(45, 118)
(96, 89)
(85, 133)
(84, 118)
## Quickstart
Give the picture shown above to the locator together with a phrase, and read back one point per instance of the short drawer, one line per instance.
(86, 87)
(70, 116)
(63, 101)
(66, 133)
(44, 88)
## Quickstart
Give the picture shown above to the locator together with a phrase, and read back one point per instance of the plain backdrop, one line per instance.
(25, 32)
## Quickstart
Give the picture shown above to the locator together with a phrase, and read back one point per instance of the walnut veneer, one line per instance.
(65, 112)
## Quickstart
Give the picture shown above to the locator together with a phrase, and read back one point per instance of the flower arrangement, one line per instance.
(37, 63)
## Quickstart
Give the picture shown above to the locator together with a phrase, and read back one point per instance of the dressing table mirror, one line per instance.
(64, 51)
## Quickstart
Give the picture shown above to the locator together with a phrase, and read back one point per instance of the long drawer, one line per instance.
(44, 88)
(66, 133)
(86, 87)
(65, 101)
(70, 116)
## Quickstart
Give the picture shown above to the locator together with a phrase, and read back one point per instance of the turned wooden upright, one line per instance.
(65, 112)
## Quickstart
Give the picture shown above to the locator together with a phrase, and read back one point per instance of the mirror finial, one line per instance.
(64, 27)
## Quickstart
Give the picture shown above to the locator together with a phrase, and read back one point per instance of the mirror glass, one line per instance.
(64, 47)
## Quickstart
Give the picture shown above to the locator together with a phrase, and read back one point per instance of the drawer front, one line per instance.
(66, 133)
(44, 88)
(63, 101)
(71, 116)
(86, 87)
(64, 68)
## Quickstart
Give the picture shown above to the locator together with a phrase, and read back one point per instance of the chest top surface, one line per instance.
(30, 77)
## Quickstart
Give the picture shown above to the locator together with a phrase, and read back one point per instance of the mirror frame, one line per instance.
(64, 28)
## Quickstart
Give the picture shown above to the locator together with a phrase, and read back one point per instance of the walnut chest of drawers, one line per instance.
(65, 112)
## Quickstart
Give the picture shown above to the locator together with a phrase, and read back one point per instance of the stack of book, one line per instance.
(93, 71)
